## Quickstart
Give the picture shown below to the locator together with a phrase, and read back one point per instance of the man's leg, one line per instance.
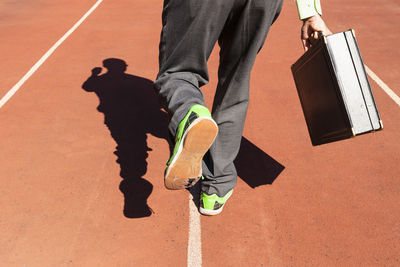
(190, 31)
(240, 41)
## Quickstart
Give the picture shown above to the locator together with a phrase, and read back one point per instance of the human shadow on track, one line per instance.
(131, 111)
(253, 166)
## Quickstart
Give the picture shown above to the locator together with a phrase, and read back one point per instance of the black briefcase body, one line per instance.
(334, 91)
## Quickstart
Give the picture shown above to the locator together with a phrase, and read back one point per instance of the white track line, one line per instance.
(16, 87)
(194, 244)
(383, 85)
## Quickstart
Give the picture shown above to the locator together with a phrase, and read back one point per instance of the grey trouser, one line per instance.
(190, 30)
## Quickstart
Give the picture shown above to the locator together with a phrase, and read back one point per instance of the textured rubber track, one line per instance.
(62, 204)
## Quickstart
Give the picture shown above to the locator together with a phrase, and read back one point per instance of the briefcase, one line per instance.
(334, 91)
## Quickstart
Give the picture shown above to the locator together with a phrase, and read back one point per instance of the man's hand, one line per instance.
(96, 71)
(310, 29)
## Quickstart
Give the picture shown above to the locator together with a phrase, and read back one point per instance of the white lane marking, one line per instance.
(383, 85)
(17, 86)
(194, 244)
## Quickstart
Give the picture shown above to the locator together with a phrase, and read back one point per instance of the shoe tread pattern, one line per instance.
(186, 170)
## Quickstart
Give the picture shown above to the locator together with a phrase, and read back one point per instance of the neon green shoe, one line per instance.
(213, 205)
(194, 136)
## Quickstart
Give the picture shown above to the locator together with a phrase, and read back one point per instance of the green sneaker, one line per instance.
(194, 136)
(213, 205)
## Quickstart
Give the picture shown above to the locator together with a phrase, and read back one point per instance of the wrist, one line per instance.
(313, 18)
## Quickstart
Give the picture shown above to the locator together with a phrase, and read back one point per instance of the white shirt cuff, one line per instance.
(308, 8)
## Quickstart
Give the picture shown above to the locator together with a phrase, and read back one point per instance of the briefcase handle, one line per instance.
(313, 40)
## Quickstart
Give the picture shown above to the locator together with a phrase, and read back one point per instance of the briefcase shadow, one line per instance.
(255, 167)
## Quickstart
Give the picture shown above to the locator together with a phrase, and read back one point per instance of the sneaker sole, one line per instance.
(186, 168)
(210, 212)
